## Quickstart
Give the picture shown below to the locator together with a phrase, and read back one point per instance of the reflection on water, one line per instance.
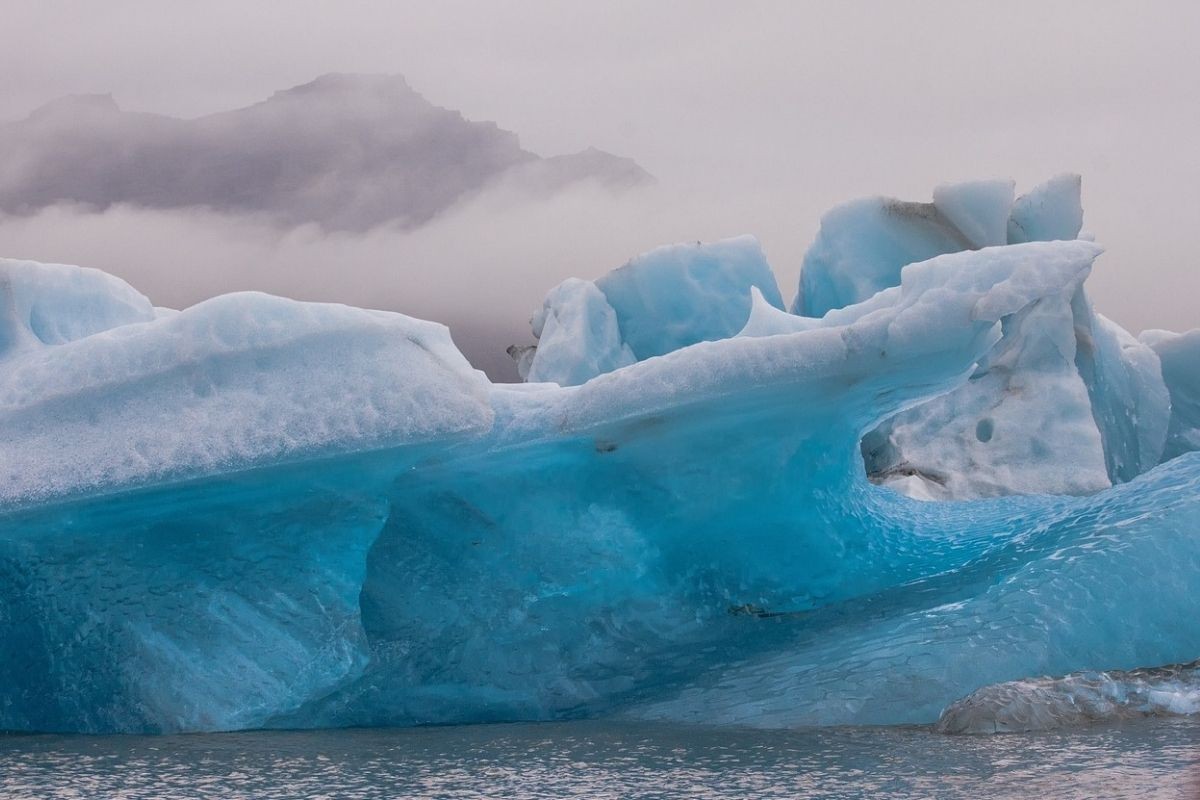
(1153, 759)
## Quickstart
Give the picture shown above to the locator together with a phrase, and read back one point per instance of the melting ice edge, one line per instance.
(941, 475)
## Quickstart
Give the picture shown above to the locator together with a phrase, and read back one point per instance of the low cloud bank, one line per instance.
(346, 152)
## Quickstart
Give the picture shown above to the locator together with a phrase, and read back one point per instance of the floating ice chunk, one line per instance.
(1037, 704)
(1180, 357)
(1050, 212)
(669, 504)
(668, 298)
(47, 304)
(510, 553)
(578, 337)
(374, 534)
(978, 209)
(235, 382)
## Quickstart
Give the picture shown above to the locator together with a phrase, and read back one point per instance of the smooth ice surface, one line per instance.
(681, 294)
(979, 210)
(1180, 357)
(263, 513)
(1050, 212)
(862, 246)
(1130, 400)
(668, 298)
(44, 304)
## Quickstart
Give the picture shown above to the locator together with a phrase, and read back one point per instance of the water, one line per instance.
(1147, 759)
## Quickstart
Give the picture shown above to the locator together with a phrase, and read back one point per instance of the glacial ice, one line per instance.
(1064, 385)
(232, 383)
(1050, 212)
(1037, 704)
(662, 300)
(578, 336)
(1179, 354)
(257, 512)
(55, 303)
(863, 245)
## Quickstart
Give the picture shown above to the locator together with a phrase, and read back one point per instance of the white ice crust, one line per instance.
(110, 394)
(44, 304)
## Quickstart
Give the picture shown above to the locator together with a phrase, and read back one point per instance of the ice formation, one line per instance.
(663, 300)
(1179, 355)
(257, 512)
(1045, 703)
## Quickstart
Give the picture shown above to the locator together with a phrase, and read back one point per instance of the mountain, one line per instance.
(348, 152)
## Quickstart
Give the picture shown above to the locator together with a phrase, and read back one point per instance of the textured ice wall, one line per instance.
(603, 549)
(257, 512)
(239, 381)
(1063, 386)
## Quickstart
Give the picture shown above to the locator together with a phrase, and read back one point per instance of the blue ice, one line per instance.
(257, 512)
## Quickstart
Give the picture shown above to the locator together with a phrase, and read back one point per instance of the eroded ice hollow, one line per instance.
(259, 513)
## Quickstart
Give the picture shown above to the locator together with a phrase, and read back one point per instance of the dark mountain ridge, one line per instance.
(347, 152)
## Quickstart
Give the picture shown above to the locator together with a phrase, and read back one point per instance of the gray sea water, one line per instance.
(1146, 759)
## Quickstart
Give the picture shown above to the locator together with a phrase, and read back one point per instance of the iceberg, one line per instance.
(258, 512)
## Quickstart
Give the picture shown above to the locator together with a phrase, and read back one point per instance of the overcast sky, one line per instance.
(754, 117)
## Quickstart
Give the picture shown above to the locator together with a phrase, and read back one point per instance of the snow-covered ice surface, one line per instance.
(257, 512)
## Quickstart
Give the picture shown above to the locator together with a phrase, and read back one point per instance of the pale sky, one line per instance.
(754, 117)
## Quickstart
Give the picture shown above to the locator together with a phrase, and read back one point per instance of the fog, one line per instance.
(348, 152)
(753, 117)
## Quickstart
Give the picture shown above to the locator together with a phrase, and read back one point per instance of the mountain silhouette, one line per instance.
(347, 152)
